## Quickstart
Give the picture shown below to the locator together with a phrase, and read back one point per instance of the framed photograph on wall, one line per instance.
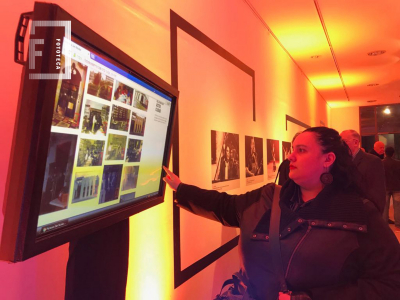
(224, 160)
(286, 149)
(272, 159)
(254, 168)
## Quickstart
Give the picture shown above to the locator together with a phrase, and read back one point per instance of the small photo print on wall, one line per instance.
(254, 160)
(272, 159)
(225, 160)
(283, 170)
(110, 183)
(286, 150)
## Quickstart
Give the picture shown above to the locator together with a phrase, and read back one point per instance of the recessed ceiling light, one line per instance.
(370, 101)
(375, 53)
(316, 56)
(387, 111)
(373, 84)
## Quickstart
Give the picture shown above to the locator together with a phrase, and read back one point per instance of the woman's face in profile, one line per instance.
(306, 160)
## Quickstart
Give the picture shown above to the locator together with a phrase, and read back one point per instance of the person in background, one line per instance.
(283, 172)
(379, 149)
(225, 171)
(334, 243)
(392, 176)
(234, 164)
(370, 168)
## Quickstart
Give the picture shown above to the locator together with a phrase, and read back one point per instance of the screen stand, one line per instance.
(97, 267)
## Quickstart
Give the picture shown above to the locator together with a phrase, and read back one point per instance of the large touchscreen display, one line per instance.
(107, 139)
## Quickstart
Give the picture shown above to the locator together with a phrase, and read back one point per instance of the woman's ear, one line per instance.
(329, 159)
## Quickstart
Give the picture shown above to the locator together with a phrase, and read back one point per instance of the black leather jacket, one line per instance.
(336, 246)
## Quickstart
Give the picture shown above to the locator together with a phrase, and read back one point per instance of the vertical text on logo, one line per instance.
(33, 53)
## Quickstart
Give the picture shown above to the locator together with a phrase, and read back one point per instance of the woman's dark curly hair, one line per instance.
(344, 172)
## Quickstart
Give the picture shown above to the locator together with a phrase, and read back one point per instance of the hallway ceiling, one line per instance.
(341, 33)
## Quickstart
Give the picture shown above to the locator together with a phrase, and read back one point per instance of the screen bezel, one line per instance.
(27, 243)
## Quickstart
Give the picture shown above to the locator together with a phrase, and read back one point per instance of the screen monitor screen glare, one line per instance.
(107, 140)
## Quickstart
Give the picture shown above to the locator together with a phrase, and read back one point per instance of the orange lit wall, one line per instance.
(345, 118)
(214, 96)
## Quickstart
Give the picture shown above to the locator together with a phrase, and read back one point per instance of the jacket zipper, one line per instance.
(297, 246)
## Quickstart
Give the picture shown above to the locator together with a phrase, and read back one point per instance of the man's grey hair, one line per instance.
(355, 134)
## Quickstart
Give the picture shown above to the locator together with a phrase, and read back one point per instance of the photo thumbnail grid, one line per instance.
(81, 110)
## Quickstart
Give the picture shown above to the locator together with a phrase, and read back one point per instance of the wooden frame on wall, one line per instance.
(180, 276)
(295, 121)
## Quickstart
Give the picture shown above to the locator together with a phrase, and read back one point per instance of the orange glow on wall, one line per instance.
(341, 103)
(302, 42)
(326, 82)
(345, 118)
(312, 106)
(328, 116)
(282, 91)
(150, 273)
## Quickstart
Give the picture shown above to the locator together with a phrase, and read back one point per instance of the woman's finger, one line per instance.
(167, 171)
(171, 179)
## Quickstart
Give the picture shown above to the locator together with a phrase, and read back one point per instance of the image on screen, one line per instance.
(123, 93)
(86, 185)
(90, 153)
(58, 173)
(129, 177)
(138, 124)
(107, 140)
(100, 85)
(68, 99)
(95, 118)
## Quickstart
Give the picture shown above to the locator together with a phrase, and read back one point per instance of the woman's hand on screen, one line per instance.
(171, 179)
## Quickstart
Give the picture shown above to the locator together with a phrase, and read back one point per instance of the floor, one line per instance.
(391, 216)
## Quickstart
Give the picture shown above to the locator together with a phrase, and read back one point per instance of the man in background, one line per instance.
(225, 167)
(379, 149)
(370, 168)
(392, 176)
(253, 166)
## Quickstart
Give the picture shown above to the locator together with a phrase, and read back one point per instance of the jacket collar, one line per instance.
(331, 204)
(359, 157)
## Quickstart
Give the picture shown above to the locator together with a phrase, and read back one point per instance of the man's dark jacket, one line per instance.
(392, 173)
(373, 178)
(373, 152)
(283, 172)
